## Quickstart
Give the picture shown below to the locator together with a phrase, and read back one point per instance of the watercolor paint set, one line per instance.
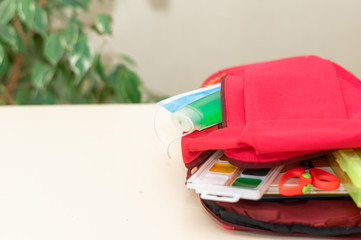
(219, 180)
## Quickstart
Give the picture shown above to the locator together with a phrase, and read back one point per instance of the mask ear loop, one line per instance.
(155, 129)
(166, 147)
(175, 138)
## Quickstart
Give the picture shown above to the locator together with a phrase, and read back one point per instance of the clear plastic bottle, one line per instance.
(200, 114)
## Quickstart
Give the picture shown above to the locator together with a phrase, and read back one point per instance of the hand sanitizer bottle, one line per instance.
(200, 114)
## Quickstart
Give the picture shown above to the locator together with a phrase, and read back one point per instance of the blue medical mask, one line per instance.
(174, 103)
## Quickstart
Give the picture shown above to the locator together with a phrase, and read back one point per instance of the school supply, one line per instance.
(322, 163)
(346, 164)
(219, 180)
(200, 114)
(350, 162)
(278, 113)
(307, 176)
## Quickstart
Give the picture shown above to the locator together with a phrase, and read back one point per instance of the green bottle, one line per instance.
(200, 114)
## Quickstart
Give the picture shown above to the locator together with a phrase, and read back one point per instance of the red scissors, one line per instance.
(308, 175)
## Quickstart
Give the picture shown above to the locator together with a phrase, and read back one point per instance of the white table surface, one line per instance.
(97, 172)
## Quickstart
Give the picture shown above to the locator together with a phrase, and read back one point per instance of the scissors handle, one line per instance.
(324, 180)
(304, 182)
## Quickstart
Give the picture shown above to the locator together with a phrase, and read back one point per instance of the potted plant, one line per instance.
(40, 64)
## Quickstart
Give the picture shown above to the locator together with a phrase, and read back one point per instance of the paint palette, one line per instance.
(219, 180)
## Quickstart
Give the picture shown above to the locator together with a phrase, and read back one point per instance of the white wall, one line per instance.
(178, 43)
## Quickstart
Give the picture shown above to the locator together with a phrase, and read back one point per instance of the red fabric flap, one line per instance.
(285, 108)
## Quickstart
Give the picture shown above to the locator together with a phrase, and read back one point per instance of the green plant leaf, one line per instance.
(50, 98)
(126, 84)
(3, 93)
(41, 75)
(7, 10)
(40, 20)
(103, 23)
(113, 78)
(24, 96)
(20, 47)
(99, 69)
(4, 67)
(2, 55)
(26, 11)
(130, 85)
(53, 49)
(84, 4)
(127, 59)
(8, 35)
(59, 84)
(3, 62)
(81, 57)
(44, 97)
(70, 36)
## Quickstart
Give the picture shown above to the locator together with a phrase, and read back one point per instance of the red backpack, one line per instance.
(280, 112)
